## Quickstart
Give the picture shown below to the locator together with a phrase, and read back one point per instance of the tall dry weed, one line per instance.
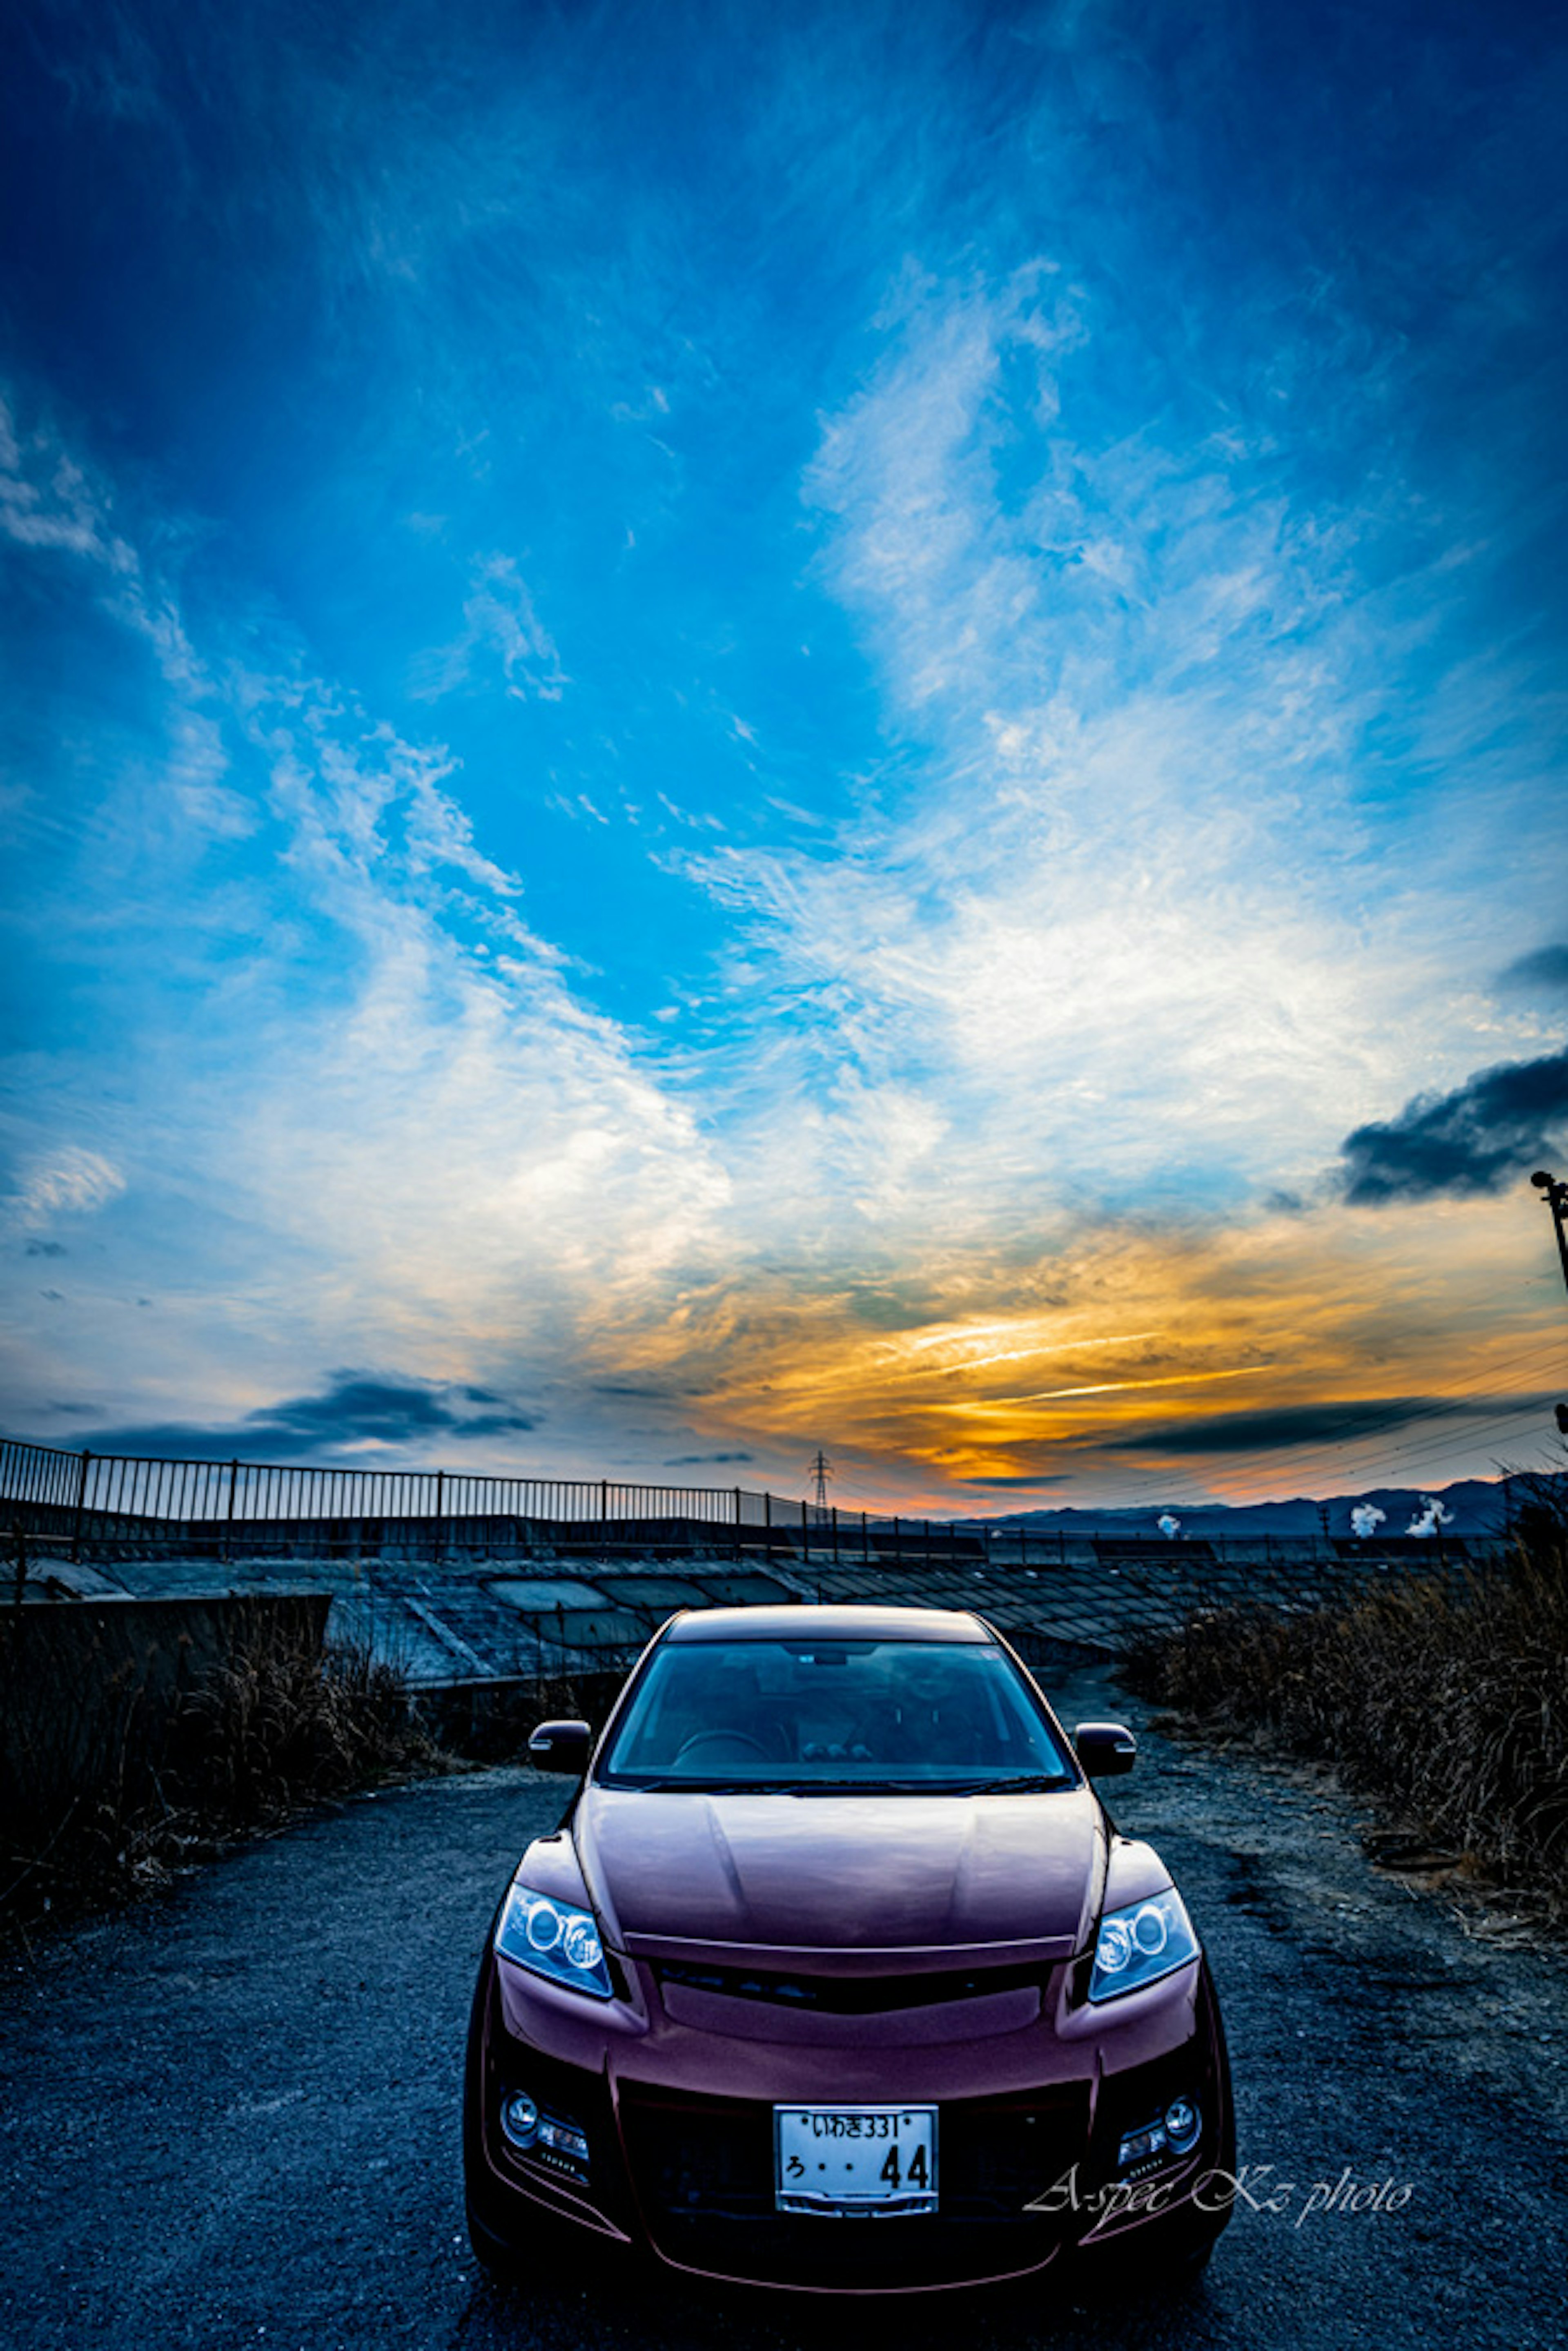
(279, 1725)
(1445, 1697)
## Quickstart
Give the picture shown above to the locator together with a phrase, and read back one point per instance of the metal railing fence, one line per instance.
(115, 1504)
(117, 1501)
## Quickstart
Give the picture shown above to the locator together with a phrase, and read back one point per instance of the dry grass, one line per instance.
(281, 1725)
(278, 1727)
(109, 1798)
(1444, 1698)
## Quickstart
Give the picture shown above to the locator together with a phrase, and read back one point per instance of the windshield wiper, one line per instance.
(1024, 1783)
(1020, 1785)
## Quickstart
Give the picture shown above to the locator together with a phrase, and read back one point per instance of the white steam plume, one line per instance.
(1432, 1516)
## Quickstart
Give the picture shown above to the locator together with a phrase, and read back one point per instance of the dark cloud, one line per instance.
(695, 1460)
(392, 1410)
(1271, 1429)
(46, 1249)
(1494, 1129)
(354, 1409)
(1544, 973)
(1022, 1480)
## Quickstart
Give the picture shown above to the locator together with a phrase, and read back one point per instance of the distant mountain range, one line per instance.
(1473, 1506)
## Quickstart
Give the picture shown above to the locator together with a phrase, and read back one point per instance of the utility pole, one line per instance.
(821, 1470)
(1555, 1193)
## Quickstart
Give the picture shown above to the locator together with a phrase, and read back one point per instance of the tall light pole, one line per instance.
(1556, 1195)
(1557, 1201)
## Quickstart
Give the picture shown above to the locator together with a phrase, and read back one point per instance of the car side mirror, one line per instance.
(560, 1747)
(1105, 1749)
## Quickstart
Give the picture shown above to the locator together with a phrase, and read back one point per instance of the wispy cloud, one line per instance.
(457, 1160)
(1109, 924)
(502, 635)
(66, 1182)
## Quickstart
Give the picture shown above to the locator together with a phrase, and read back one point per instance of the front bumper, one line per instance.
(673, 2092)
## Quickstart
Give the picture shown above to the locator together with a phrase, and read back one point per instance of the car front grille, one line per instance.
(703, 2172)
(851, 1995)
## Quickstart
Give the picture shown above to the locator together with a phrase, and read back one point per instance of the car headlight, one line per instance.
(1139, 1944)
(555, 1940)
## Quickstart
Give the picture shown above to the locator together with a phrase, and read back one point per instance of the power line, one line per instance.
(1308, 1451)
(1128, 1483)
(1303, 1454)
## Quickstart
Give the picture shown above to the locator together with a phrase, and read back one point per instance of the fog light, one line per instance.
(1183, 2125)
(565, 2137)
(520, 2120)
(1139, 2145)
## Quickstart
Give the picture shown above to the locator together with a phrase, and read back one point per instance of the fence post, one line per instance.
(768, 1525)
(229, 1520)
(81, 1505)
(440, 1506)
(865, 1539)
(805, 1539)
(604, 1515)
(835, 1509)
(737, 1522)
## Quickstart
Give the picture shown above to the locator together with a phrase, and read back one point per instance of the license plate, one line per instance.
(878, 2160)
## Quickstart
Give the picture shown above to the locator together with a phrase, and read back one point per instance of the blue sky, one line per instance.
(726, 729)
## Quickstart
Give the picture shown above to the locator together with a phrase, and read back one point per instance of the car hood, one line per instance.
(846, 1873)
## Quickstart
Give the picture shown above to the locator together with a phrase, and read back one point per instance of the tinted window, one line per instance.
(905, 1713)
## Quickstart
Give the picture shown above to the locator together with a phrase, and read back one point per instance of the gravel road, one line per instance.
(231, 2117)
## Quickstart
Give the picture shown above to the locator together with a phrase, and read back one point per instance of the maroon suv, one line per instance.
(837, 1975)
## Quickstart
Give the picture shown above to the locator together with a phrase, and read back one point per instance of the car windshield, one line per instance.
(810, 1715)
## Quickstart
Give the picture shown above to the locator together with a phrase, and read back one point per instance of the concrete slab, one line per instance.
(536, 1595)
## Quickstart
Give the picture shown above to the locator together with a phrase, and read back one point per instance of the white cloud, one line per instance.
(47, 503)
(425, 1150)
(1130, 928)
(68, 1181)
(501, 631)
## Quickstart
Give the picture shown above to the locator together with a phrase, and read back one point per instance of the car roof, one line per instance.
(824, 1620)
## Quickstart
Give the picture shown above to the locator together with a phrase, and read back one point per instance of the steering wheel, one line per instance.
(727, 1740)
